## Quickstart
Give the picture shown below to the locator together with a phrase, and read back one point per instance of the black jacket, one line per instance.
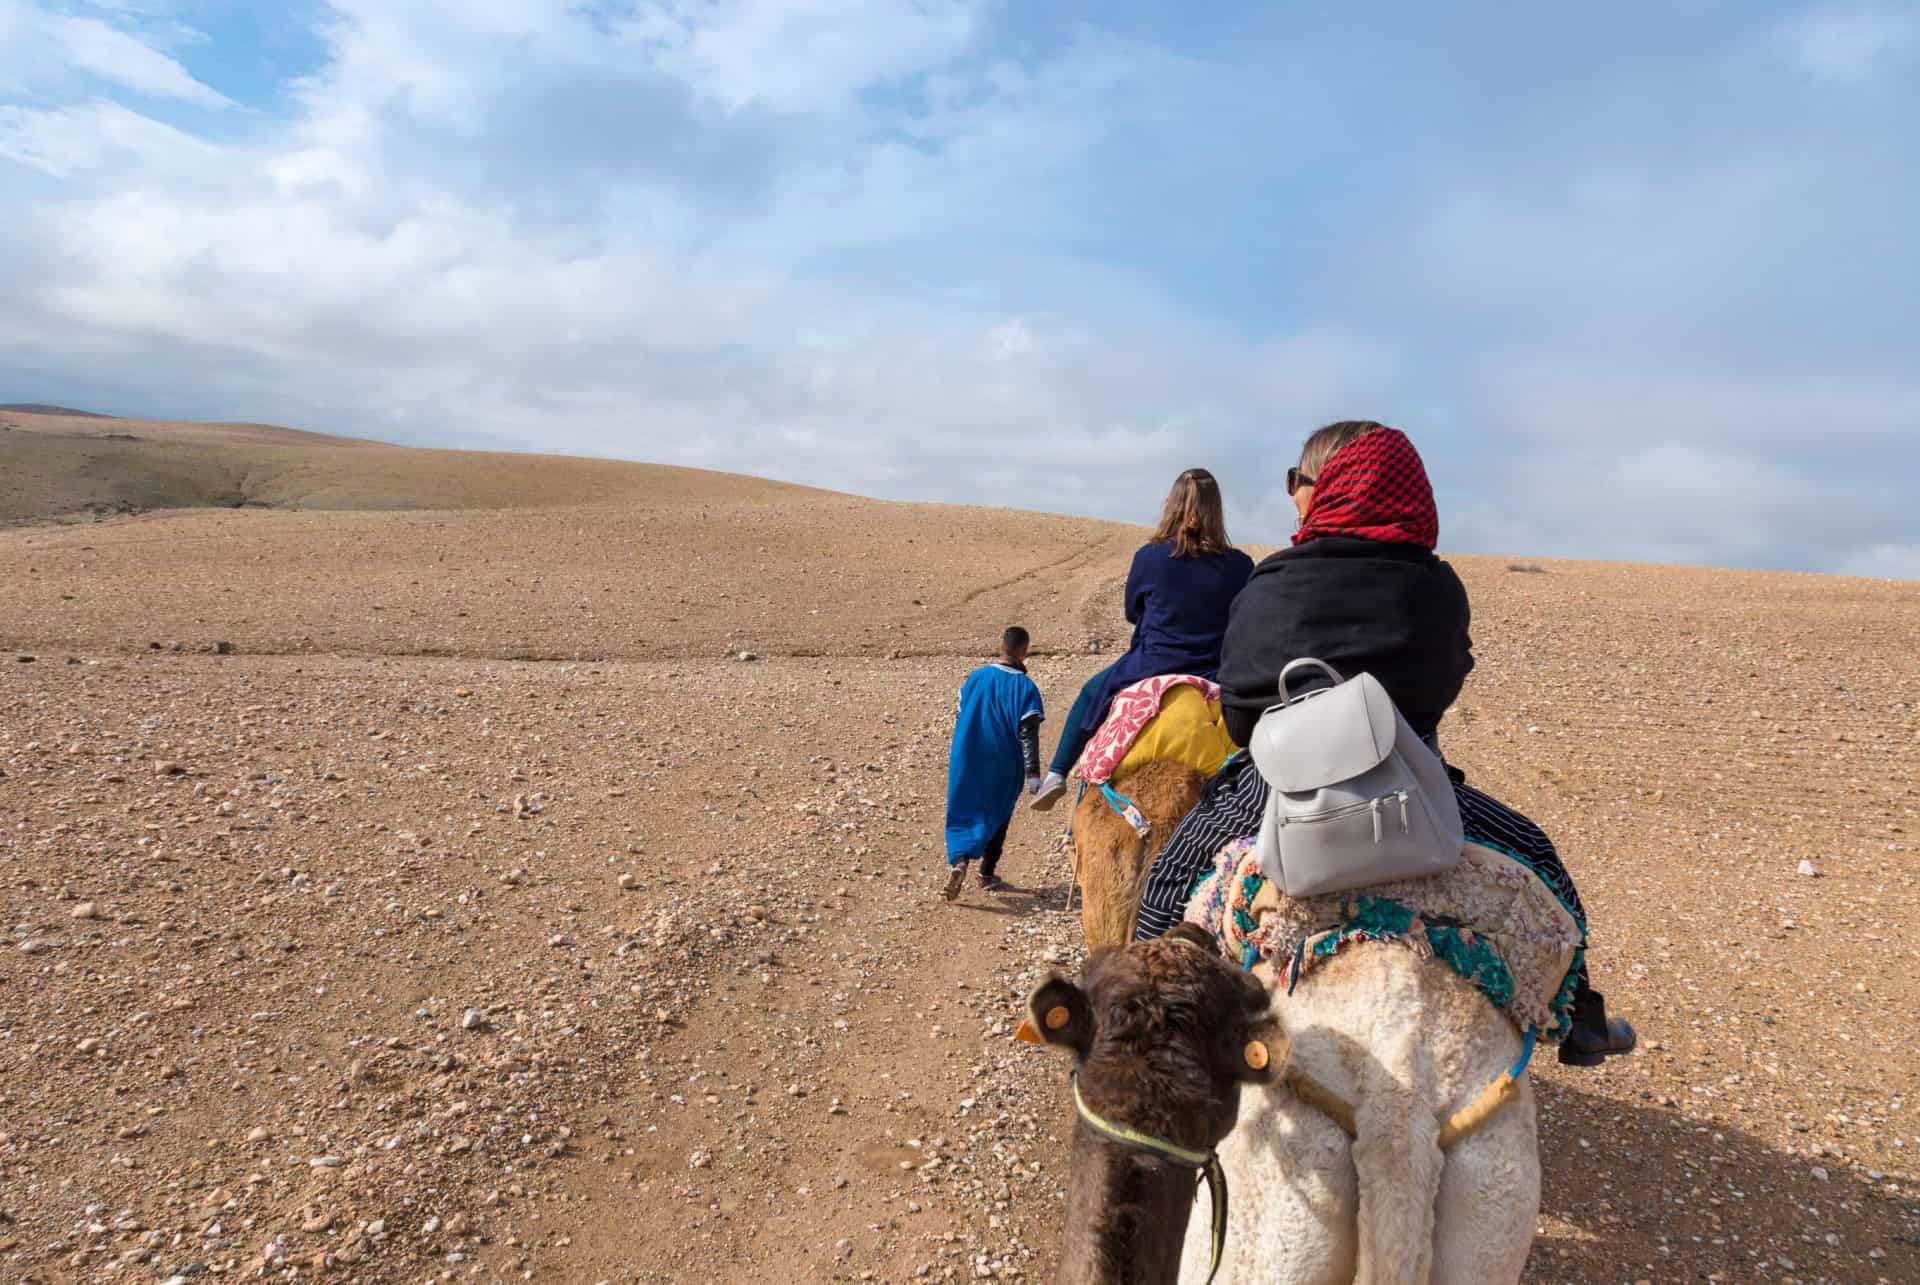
(1391, 610)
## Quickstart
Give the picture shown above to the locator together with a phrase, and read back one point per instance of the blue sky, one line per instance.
(1640, 285)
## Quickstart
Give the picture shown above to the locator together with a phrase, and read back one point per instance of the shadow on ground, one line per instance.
(1636, 1191)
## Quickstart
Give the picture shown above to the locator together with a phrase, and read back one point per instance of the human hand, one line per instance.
(1033, 785)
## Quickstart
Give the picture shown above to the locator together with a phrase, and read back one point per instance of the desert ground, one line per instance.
(425, 866)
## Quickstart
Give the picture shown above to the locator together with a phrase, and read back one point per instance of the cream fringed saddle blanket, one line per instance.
(1490, 919)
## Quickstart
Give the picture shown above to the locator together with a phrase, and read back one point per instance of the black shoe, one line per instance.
(1582, 1049)
(992, 883)
(1595, 1036)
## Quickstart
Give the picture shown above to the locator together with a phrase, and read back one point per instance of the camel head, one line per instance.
(1163, 1034)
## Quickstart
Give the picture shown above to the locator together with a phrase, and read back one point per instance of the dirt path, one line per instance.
(388, 967)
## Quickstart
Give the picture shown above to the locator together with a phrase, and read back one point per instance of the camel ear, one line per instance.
(1252, 1046)
(1262, 1055)
(1060, 1015)
(1194, 933)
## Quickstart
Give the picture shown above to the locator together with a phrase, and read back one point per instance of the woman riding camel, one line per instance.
(1178, 593)
(1362, 590)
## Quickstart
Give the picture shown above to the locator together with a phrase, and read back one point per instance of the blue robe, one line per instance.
(984, 772)
(1178, 610)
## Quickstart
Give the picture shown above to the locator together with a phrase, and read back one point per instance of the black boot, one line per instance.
(1595, 1037)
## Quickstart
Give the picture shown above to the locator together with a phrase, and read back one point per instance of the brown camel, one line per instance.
(1110, 862)
(1162, 1034)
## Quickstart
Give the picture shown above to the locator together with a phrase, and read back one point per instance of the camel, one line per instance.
(1110, 860)
(1197, 1058)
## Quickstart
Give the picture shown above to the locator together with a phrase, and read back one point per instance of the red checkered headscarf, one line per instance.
(1373, 488)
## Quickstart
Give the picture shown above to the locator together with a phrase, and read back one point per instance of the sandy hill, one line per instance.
(472, 553)
(71, 464)
(480, 909)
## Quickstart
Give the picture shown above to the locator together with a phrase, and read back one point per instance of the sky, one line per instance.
(1640, 282)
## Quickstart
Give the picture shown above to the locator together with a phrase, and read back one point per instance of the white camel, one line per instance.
(1403, 1053)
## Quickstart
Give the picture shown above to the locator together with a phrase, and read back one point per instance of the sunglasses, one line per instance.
(1296, 479)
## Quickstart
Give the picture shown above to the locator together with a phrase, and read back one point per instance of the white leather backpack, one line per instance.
(1355, 797)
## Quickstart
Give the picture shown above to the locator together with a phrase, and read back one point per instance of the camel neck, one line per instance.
(1127, 1215)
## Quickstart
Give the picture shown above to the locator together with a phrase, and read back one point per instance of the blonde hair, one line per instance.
(1193, 522)
(1322, 443)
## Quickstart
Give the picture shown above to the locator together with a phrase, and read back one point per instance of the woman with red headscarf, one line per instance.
(1361, 589)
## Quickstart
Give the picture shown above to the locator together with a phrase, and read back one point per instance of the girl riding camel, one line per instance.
(1362, 590)
(1178, 593)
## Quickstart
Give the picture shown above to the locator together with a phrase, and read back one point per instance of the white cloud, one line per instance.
(891, 246)
(799, 55)
(1851, 43)
(41, 50)
(67, 141)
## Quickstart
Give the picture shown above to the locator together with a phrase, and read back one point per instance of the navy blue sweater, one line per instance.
(1178, 610)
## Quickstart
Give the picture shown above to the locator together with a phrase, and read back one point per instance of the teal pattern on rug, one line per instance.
(1466, 952)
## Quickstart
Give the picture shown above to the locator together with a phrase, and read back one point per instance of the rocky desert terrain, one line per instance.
(417, 866)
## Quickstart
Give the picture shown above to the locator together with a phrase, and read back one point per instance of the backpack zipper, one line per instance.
(1354, 809)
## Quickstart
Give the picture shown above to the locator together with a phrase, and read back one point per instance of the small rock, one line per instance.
(167, 767)
(744, 657)
(628, 882)
(85, 910)
(223, 648)
(33, 947)
(463, 692)
(259, 1133)
(1819, 1174)
(700, 1160)
(757, 913)
(1806, 869)
(88, 1045)
(475, 1019)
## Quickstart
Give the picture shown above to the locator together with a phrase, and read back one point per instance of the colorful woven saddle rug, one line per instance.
(1490, 919)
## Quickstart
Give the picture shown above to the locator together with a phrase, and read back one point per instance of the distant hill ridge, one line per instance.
(40, 408)
(58, 465)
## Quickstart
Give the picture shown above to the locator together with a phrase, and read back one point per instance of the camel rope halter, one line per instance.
(1206, 1163)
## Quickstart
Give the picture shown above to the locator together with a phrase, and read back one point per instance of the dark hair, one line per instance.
(1192, 521)
(1014, 640)
(1323, 442)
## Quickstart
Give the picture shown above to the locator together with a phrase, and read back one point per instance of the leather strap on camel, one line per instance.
(1463, 1124)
